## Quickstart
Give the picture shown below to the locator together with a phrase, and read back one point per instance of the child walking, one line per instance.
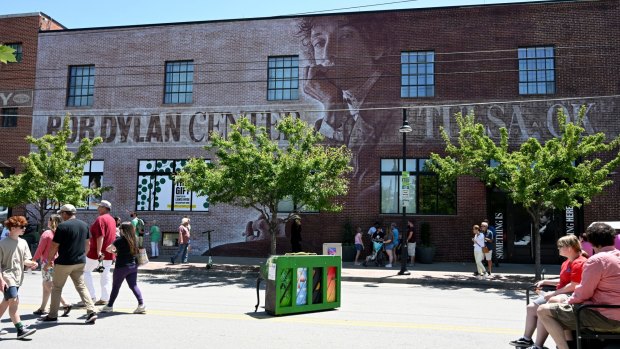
(14, 255)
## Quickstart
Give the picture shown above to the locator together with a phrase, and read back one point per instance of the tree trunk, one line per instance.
(535, 214)
(273, 231)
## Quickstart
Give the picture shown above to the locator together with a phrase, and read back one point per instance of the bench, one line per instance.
(592, 338)
(586, 338)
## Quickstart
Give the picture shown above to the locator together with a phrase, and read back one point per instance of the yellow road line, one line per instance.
(320, 322)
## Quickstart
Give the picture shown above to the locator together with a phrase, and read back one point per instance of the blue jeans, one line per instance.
(183, 252)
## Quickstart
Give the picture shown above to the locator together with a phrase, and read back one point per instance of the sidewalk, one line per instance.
(506, 276)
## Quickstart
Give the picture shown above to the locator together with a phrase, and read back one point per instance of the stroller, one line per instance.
(378, 256)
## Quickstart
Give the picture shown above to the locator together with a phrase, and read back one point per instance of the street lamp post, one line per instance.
(404, 129)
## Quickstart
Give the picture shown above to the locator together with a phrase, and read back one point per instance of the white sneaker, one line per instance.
(106, 309)
(3, 332)
(141, 309)
(388, 265)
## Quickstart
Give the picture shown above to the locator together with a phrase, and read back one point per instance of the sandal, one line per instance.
(66, 310)
(39, 312)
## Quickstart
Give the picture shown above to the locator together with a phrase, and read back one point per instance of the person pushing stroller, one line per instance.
(378, 255)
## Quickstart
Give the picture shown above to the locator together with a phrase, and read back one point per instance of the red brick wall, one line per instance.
(476, 68)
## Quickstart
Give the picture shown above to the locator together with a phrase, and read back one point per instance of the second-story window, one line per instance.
(179, 82)
(536, 70)
(417, 74)
(283, 78)
(18, 51)
(81, 89)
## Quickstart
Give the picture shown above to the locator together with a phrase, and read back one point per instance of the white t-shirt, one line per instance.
(478, 242)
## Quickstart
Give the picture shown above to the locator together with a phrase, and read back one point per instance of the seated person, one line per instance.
(570, 277)
(600, 284)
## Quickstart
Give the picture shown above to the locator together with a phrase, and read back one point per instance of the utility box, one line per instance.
(302, 283)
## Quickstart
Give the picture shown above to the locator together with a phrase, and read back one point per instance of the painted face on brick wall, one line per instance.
(341, 50)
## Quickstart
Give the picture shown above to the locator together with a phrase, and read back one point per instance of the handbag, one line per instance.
(142, 258)
(485, 249)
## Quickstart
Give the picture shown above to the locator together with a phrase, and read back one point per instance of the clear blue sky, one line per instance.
(101, 13)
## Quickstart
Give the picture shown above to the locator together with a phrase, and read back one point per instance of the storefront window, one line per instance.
(158, 191)
(92, 178)
(427, 195)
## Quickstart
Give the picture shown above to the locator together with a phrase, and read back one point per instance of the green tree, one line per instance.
(51, 176)
(7, 54)
(562, 172)
(252, 170)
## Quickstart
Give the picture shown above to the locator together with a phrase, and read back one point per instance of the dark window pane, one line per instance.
(178, 87)
(283, 78)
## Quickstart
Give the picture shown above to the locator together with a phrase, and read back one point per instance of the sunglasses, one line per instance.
(21, 226)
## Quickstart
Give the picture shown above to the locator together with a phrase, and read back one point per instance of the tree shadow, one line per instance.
(206, 279)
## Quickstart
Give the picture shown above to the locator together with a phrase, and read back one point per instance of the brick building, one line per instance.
(20, 32)
(154, 92)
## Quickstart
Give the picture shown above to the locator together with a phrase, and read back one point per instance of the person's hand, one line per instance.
(34, 265)
(100, 256)
(549, 295)
(48, 265)
(318, 86)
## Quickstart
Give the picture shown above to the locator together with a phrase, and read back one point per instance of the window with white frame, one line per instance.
(92, 178)
(158, 191)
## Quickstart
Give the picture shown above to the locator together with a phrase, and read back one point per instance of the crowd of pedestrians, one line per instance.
(69, 248)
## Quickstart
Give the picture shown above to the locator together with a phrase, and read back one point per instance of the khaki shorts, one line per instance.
(411, 249)
(590, 319)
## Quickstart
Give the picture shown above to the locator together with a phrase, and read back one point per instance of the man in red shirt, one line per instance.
(102, 234)
(600, 284)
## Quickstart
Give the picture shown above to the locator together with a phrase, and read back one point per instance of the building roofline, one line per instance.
(32, 14)
(311, 14)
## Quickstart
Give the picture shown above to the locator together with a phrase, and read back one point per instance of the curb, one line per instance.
(466, 282)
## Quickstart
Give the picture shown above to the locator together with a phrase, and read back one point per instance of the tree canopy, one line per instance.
(252, 170)
(51, 176)
(7, 54)
(562, 172)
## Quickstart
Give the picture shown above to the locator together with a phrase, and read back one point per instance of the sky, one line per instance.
(103, 13)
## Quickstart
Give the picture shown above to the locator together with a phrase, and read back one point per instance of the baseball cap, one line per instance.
(67, 208)
(105, 203)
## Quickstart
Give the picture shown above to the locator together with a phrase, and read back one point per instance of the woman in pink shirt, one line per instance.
(47, 275)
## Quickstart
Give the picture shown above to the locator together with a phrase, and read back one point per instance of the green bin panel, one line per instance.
(301, 283)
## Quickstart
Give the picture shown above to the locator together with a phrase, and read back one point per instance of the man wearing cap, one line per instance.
(102, 234)
(70, 241)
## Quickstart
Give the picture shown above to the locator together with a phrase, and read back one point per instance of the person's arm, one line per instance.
(591, 276)
(99, 247)
(51, 254)
(43, 244)
(181, 237)
(548, 282)
(111, 248)
(568, 288)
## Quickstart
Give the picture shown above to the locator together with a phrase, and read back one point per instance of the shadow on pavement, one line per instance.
(244, 279)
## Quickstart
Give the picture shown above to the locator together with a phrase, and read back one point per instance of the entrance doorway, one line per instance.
(515, 230)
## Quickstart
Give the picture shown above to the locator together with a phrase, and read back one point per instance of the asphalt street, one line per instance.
(217, 310)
